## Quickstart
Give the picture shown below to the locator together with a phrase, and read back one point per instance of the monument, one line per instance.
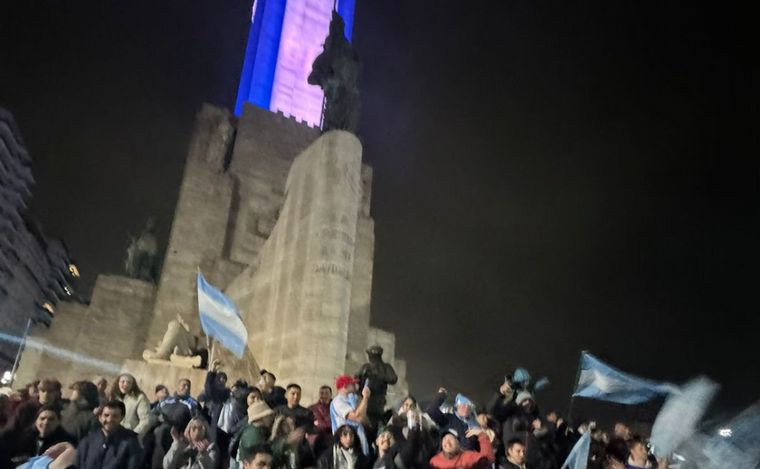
(277, 215)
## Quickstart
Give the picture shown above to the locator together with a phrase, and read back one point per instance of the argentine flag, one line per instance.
(220, 318)
(578, 457)
(597, 380)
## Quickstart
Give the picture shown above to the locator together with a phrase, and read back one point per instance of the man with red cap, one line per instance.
(347, 409)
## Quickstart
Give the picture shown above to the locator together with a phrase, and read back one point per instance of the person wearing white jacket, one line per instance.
(137, 416)
(193, 450)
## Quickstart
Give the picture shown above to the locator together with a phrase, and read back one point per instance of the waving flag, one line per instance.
(578, 457)
(220, 318)
(597, 380)
(679, 417)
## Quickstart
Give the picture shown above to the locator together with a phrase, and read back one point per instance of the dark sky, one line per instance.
(550, 176)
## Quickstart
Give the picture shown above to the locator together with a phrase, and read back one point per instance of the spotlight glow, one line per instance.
(34, 344)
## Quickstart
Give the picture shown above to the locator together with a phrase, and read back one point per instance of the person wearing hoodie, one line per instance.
(78, 418)
(215, 393)
(462, 420)
(453, 456)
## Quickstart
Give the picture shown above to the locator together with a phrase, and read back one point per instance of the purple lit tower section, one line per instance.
(285, 38)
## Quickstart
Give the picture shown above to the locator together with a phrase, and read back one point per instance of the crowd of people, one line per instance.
(265, 426)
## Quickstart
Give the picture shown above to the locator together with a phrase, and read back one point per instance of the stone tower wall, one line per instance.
(265, 147)
(200, 222)
(298, 299)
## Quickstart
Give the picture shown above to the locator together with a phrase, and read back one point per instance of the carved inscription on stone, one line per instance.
(330, 268)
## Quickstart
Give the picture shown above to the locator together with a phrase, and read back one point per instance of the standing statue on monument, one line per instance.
(336, 71)
(142, 255)
(377, 375)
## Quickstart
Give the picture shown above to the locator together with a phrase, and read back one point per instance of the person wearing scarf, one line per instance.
(461, 420)
(346, 452)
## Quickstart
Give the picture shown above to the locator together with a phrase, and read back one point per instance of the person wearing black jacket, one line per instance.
(215, 393)
(273, 395)
(112, 446)
(395, 454)
(303, 417)
(44, 433)
(457, 421)
(524, 425)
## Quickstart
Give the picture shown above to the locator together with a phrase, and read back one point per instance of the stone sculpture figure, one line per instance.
(178, 345)
(379, 375)
(142, 255)
(336, 71)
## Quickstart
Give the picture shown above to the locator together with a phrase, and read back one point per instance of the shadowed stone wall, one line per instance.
(200, 222)
(112, 328)
(265, 147)
(297, 302)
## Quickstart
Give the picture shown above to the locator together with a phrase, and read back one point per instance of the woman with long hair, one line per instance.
(192, 450)
(290, 449)
(137, 415)
(345, 453)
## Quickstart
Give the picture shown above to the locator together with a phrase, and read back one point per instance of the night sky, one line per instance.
(550, 176)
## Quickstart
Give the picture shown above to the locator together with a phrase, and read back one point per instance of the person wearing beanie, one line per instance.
(453, 456)
(523, 396)
(524, 425)
(260, 419)
(347, 409)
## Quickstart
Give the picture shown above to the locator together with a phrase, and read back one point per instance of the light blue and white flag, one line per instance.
(220, 318)
(597, 380)
(578, 457)
(738, 443)
(679, 417)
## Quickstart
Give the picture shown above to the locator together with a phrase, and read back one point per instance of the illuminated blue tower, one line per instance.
(285, 38)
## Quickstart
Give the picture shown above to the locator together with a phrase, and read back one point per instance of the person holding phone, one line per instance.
(348, 409)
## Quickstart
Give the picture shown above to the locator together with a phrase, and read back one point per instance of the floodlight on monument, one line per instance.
(725, 432)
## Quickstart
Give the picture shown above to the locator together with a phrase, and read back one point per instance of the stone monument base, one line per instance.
(149, 375)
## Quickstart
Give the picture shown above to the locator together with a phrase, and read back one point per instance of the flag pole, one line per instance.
(210, 347)
(209, 341)
(21, 347)
(572, 396)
